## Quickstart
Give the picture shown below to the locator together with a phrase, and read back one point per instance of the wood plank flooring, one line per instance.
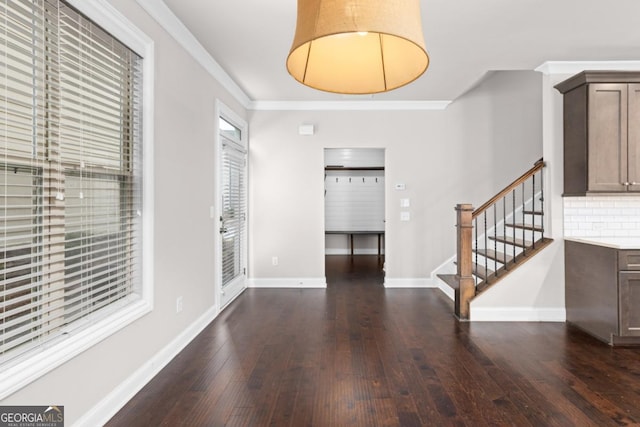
(357, 354)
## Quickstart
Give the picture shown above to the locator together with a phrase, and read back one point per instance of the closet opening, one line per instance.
(354, 211)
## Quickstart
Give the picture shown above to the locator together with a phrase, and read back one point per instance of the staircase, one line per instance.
(498, 237)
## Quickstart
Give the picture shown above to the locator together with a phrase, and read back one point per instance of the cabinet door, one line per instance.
(607, 131)
(629, 303)
(634, 137)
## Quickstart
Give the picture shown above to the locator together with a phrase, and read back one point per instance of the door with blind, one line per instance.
(233, 212)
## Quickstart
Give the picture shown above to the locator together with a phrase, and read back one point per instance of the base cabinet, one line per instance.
(629, 292)
(603, 291)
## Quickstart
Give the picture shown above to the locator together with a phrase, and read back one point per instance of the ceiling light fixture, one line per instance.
(358, 46)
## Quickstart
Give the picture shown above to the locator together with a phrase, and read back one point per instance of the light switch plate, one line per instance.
(405, 216)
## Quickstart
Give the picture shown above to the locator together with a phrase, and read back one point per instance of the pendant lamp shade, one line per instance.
(358, 46)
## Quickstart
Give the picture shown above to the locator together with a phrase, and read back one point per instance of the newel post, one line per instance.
(467, 288)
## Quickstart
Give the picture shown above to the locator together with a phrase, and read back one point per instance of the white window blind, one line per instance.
(71, 173)
(233, 211)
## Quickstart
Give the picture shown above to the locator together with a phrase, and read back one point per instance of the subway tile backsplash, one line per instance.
(602, 216)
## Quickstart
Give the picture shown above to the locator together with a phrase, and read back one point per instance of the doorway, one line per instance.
(354, 206)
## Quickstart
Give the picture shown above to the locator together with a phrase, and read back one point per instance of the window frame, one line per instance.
(34, 365)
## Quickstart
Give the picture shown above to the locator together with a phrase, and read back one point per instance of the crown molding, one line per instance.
(574, 67)
(348, 105)
(170, 22)
(159, 11)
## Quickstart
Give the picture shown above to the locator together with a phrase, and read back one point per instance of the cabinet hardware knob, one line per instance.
(625, 183)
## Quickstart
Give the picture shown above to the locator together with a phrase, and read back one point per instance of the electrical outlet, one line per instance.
(274, 260)
(178, 304)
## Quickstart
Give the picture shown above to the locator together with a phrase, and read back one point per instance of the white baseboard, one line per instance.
(390, 282)
(517, 314)
(447, 267)
(289, 282)
(114, 401)
(446, 289)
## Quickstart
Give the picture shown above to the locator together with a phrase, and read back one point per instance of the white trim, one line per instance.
(38, 364)
(348, 105)
(289, 282)
(517, 314)
(446, 289)
(115, 23)
(35, 365)
(574, 67)
(447, 267)
(170, 22)
(110, 19)
(235, 119)
(114, 401)
(409, 283)
(234, 289)
(235, 296)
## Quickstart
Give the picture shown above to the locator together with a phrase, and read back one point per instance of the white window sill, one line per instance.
(33, 366)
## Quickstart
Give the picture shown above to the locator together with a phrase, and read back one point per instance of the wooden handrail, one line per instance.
(536, 167)
(466, 218)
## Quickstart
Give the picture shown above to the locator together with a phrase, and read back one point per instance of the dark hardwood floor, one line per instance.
(357, 354)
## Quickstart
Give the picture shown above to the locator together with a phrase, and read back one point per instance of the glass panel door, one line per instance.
(233, 212)
(233, 216)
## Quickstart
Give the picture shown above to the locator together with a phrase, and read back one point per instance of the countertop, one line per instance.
(610, 242)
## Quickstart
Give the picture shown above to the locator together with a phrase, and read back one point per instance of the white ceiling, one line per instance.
(465, 39)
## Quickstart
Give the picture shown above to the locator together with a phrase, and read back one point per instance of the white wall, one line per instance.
(535, 291)
(463, 154)
(185, 127)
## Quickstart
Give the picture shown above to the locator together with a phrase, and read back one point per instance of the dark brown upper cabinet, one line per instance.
(601, 132)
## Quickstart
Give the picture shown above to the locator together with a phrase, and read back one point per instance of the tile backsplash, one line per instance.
(602, 216)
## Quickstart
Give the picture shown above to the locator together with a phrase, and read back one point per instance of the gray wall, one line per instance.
(464, 154)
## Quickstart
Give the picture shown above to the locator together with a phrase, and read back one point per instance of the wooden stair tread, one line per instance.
(479, 270)
(522, 226)
(533, 212)
(451, 280)
(510, 240)
(482, 271)
(492, 254)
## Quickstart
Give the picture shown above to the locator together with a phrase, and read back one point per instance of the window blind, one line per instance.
(233, 211)
(70, 166)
